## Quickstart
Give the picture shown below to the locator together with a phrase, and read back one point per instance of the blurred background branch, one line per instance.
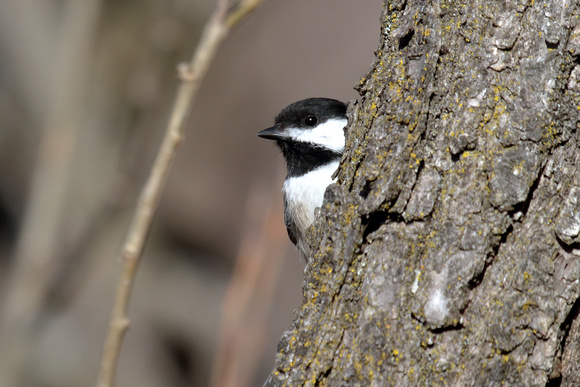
(248, 299)
(36, 254)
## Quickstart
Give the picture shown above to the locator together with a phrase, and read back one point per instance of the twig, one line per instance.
(191, 75)
(241, 10)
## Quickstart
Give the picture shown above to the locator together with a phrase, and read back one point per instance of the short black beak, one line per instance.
(273, 133)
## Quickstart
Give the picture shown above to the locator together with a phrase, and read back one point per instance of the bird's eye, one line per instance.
(310, 121)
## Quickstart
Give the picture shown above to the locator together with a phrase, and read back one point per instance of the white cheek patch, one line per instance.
(328, 135)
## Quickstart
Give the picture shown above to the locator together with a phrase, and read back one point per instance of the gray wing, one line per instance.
(290, 225)
(294, 233)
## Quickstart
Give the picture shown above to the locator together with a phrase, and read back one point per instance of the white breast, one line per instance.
(306, 192)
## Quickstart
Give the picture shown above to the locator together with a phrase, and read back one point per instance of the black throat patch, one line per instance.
(303, 157)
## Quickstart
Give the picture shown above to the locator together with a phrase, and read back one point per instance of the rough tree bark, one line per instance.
(449, 251)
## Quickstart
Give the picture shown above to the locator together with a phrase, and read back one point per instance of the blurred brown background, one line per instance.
(86, 87)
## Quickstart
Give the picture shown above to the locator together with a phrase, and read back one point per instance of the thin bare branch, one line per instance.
(191, 75)
(242, 9)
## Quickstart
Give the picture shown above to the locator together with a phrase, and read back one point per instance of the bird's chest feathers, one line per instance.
(304, 193)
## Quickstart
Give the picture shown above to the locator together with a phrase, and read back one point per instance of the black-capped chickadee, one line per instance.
(310, 135)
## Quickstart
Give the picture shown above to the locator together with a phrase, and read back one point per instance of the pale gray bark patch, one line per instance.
(568, 221)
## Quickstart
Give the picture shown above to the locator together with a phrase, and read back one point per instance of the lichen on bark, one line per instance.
(449, 250)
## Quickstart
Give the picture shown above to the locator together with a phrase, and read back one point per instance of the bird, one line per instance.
(310, 135)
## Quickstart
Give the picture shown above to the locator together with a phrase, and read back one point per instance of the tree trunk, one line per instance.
(449, 251)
